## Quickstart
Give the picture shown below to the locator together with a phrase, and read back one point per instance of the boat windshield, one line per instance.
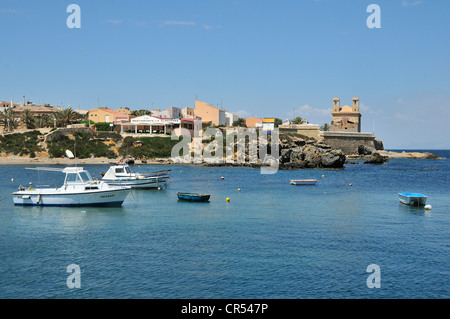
(73, 178)
(127, 169)
(85, 176)
(80, 177)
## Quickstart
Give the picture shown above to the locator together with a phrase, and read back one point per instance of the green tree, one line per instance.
(9, 119)
(43, 121)
(298, 120)
(239, 122)
(66, 117)
(141, 112)
(278, 122)
(28, 118)
(325, 127)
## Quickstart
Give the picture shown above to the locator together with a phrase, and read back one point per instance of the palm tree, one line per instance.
(141, 112)
(27, 118)
(65, 117)
(43, 121)
(298, 120)
(8, 119)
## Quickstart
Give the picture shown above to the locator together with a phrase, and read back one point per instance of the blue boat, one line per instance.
(195, 197)
(413, 199)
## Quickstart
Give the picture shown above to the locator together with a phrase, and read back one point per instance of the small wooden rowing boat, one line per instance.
(303, 181)
(195, 197)
(413, 199)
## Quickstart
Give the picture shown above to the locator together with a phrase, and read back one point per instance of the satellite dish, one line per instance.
(69, 154)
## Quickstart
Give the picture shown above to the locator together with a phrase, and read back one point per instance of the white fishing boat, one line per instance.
(121, 175)
(303, 182)
(413, 199)
(79, 189)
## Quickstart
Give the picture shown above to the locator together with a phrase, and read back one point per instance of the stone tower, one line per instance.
(346, 118)
(336, 104)
(355, 105)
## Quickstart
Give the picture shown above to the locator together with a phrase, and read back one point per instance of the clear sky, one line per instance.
(264, 58)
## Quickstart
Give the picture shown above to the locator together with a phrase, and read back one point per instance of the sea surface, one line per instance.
(271, 240)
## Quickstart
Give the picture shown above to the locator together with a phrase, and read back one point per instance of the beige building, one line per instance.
(124, 110)
(5, 105)
(108, 116)
(209, 113)
(253, 122)
(346, 118)
(36, 110)
(187, 112)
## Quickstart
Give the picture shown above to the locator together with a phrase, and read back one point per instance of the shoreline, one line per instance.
(403, 154)
(23, 160)
(17, 160)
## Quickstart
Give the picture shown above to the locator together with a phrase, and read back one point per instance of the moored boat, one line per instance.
(196, 197)
(78, 189)
(303, 181)
(121, 175)
(413, 199)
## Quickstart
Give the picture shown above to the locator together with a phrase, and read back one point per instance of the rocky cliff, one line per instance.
(297, 152)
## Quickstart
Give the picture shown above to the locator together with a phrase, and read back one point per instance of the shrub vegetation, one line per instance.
(21, 143)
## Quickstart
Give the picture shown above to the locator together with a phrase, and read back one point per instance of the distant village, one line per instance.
(345, 121)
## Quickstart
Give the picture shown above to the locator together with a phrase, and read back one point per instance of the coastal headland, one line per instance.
(47, 148)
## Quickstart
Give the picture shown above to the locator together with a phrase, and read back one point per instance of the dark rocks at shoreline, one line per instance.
(377, 158)
(365, 150)
(296, 152)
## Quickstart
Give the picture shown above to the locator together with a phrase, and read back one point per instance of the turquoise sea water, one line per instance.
(272, 240)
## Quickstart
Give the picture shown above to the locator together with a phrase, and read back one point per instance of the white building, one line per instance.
(230, 118)
(156, 125)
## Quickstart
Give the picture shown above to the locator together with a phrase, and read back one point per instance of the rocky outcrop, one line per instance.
(425, 155)
(296, 152)
(376, 158)
(365, 150)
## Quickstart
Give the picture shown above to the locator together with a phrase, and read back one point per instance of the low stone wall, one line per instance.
(349, 142)
(309, 130)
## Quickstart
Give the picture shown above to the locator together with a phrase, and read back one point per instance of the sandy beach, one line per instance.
(18, 160)
(24, 160)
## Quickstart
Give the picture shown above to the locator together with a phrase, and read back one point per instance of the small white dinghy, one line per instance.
(79, 189)
(413, 199)
(303, 182)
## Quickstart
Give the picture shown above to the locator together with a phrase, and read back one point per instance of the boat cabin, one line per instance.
(77, 175)
(118, 171)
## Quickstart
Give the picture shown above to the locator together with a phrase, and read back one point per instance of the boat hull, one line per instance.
(412, 199)
(304, 182)
(99, 198)
(138, 183)
(193, 197)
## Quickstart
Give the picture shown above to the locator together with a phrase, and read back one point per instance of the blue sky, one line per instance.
(262, 58)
